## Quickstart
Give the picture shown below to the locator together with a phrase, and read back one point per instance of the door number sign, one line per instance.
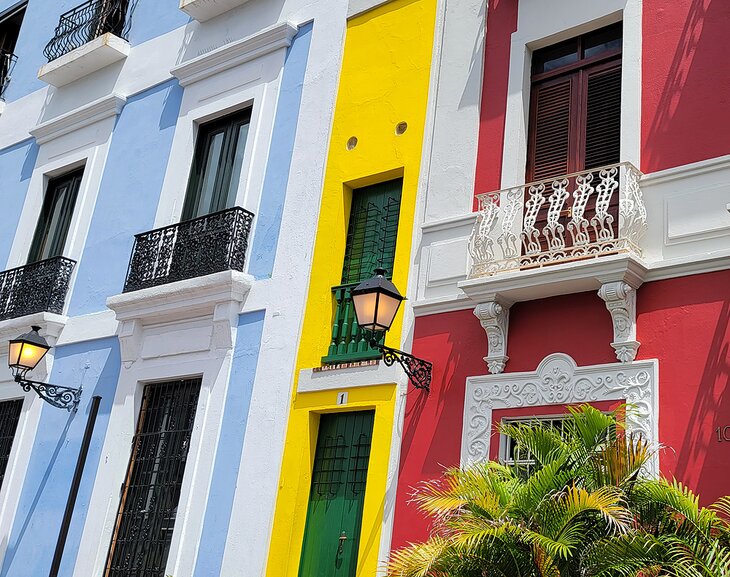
(342, 400)
(723, 434)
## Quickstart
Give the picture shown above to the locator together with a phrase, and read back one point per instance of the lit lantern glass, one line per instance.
(376, 302)
(25, 352)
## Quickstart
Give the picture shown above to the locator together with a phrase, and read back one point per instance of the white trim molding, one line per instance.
(100, 109)
(235, 53)
(203, 10)
(367, 375)
(620, 301)
(494, 318)
(559, 381)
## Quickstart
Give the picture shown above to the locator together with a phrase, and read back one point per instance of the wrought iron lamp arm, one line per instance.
(62, 397)
(418, 370)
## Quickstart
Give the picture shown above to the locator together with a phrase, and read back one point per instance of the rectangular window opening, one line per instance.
(54, 221)
(217, 163)
(9, 419)
(151, 490)
(10, 23)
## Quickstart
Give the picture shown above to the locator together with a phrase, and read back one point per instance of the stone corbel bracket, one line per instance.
(620, 299)
(494, 318)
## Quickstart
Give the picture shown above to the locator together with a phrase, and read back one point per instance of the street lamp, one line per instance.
(24, 354)
(376, 303)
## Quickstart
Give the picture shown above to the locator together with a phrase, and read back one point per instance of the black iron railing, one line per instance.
(87, 22)
(7, 63)
(190, 249)
(37, 287)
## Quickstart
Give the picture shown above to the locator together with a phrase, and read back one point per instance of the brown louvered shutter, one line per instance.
(551, 125)
(603, 117)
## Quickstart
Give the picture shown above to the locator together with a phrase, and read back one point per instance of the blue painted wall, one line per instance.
(128, 195)
(151, 18)
(230, 445)
(268, 219)
(95, 365)
(16, 167)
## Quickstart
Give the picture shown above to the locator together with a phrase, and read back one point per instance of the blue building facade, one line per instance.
(153, 196)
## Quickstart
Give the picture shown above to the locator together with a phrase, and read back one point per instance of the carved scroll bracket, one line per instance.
(494, 318)
(620, 299)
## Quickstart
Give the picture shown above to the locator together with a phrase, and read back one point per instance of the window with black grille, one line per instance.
(10, 22)
(151, 491)
(9, 417)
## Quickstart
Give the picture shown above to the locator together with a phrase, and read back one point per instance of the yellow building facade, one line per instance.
(377, 136)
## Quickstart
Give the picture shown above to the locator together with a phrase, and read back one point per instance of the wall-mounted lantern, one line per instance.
(376, 302)
(24, 354)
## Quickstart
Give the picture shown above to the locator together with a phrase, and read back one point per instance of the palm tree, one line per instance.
(585, 508)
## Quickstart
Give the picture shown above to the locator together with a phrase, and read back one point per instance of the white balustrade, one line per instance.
(568, 218)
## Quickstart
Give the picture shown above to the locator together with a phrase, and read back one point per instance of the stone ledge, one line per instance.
(84, 60)
(203, 10)
(182, 299)
(554, 280)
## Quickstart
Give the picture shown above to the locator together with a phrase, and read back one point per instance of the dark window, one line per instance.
(10, 22)
(575, 110)
(372, 231)
(54, 221)
(9, 417)
(217, 165)
(151, 491)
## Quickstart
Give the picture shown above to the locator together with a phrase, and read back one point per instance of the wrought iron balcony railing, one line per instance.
(87, 22)
(348, 340)
(37, 287)
(7, 63)
(573, 217)
(190, 249)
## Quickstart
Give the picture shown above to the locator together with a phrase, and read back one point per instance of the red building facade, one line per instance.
(642, 317)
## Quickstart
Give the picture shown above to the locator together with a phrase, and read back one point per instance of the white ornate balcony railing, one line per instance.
(573, 217)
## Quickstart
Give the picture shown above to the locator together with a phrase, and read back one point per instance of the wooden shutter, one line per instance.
(603, 117)
(372, 231)
(551, 125)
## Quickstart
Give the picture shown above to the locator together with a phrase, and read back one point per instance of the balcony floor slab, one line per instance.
(554, 280)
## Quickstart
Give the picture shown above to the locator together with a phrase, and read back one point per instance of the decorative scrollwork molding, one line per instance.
(559, 381)
(620, 301)
(494, 318)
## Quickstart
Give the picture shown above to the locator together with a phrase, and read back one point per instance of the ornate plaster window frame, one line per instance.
(558, 380)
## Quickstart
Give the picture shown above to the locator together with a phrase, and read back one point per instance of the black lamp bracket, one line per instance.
(56, 395)
(418, 370)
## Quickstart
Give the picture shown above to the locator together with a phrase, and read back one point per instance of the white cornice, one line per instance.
(686, 171)
(268, 40)
(462, 220)
(76, 119)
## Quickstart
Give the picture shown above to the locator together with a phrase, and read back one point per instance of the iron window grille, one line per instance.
(87, 22)
(7, 63)
(512, 454)
(190, 249)
(37, 287)
(9, 418)
(151, 491)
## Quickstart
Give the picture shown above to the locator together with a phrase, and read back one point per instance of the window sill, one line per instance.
(92, 56)
(202, 10)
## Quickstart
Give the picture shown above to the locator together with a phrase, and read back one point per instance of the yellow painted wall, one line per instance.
(384, 81)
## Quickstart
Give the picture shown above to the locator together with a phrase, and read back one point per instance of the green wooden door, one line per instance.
(334, 516)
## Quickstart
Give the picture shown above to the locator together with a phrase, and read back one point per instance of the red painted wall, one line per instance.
(685, 323)
(501, 23)
(686, 82)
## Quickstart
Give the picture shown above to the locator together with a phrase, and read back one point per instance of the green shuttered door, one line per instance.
(334, 516)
